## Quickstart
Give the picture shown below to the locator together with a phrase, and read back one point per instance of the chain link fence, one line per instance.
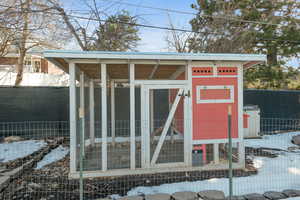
(34, 164)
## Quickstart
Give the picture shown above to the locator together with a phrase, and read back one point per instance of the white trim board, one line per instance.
(218, 141)
(153, 55)
(165, 169)
(212, 87)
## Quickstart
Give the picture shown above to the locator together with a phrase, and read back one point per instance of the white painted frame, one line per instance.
(132, 115)
(147, 162)
(104, 116)
(112, 112)
(92, 112)
(211, 87)
(73, 116)
(166, 127)
(82, 106)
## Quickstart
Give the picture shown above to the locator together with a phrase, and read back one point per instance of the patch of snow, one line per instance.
(278, 141)
(293, 198)
(55, 155)
(274, 174)
(15, 150)
(115, 196)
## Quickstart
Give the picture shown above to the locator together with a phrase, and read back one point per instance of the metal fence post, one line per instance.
(81, 131)
(230, 150)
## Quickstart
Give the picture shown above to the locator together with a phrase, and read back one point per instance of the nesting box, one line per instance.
(214, 88)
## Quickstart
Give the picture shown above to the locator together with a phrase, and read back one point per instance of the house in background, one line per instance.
(37, 71)
(32, 64)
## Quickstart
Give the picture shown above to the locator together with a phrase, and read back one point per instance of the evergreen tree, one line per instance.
(269, 27)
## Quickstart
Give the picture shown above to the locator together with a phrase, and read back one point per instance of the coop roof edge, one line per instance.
(152, 55)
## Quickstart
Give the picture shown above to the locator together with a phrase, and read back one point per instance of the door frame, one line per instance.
(146, 123)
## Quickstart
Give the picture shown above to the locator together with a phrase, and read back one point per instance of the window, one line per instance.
(215, 94)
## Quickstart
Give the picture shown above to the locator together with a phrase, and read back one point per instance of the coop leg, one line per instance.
(204, 153)
(216, 153)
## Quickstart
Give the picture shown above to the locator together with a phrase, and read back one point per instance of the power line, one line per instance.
(162, 28)
(191, 13)
(228, 18)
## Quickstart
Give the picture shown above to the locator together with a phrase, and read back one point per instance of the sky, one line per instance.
(151, 39)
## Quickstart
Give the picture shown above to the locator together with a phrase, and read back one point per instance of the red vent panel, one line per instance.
(227, 71)
(202, 71)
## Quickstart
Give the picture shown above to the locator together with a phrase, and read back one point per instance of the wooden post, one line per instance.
(132, 116)
(104, 116)
(112, 112)
(188, 116)
(151, 104)
(241, 147)
(73, 117)
(92, 113)
(82, 107)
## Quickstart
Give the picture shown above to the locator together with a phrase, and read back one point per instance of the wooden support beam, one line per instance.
(73, 117)
(112, 112)
(92, 112)
(177, 73)
(82, 107)
(132, 116)
(153, 71)
(241, 147)
(104, 116)
(151, 105)
(188, 117)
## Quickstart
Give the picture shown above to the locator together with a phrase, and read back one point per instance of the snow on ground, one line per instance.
(274, 174)
(279, 141)
(293, 198)
(55, 155)
(14, 150)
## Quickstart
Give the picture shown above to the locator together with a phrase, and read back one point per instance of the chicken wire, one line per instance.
(271, 162)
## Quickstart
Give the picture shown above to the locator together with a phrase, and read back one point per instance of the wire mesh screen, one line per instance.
(35, 165)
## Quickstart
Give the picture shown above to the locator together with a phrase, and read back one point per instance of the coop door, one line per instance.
(163, 125)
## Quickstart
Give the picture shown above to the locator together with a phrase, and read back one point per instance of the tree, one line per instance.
(178, 40)
(7, 31)
(35, 26)
(270, 27)
(116, 32)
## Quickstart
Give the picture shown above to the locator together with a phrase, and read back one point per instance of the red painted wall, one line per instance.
(210, 119)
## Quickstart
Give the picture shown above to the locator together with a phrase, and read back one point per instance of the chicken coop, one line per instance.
(142, 113)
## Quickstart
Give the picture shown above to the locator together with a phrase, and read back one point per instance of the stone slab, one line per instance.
(274, 195)
(159, 196)
(185, 195)
(211, 195)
